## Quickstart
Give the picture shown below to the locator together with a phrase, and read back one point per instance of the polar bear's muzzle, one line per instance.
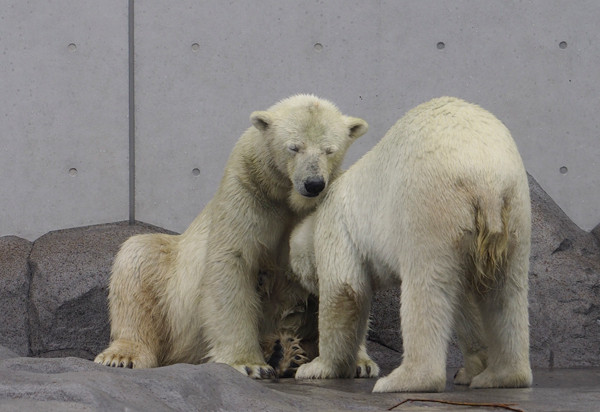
(313, 185)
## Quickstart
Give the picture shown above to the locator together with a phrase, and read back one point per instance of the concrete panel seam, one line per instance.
(131, 57)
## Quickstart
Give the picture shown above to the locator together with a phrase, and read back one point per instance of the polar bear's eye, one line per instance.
(294, 148)
(329, 150)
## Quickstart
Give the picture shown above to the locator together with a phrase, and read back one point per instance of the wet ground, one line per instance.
(553, 390)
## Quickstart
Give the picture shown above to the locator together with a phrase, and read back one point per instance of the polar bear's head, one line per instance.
(307, 138)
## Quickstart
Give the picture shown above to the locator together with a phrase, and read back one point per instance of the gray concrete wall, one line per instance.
(201, 67)
(63, 114)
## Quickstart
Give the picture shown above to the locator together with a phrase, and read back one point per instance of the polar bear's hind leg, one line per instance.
(505, 317)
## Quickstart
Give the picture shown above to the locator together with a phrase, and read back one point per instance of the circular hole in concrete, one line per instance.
(73, 171)
(563, 170)
(195, 46)
(72, 47)
(441, 45)
(196, 171)
(318, 47)
(562, 44)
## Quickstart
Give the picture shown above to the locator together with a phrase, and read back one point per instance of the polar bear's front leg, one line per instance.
(342, 320)
(365, 366)
(231, 320)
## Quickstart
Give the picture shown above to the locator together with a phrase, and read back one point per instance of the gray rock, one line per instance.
(596, 232)
(6, 353)
(564, 293)
(70, 271)
(14, 289)
(74, 384)
(77, 384)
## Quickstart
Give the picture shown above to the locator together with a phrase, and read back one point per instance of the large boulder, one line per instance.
(68, 298)
(14, 289)
(564, 293)
(73, 384)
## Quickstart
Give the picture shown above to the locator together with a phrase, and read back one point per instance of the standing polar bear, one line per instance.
(441, 204)
(193, 297)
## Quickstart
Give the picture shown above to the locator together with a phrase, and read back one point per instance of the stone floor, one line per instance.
(553, 390)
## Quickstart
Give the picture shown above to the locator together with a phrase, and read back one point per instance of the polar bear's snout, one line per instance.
(313, 186)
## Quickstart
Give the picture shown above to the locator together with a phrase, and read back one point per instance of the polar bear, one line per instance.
(193, 297)
(441, 204)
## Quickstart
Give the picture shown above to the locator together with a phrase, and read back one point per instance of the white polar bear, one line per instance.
(193, 297)
(441, 204)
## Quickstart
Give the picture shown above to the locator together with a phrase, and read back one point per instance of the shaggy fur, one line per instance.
(441, 204)
(193, 297)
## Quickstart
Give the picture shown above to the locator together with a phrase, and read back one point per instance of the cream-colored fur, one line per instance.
(193, 297)
(441, 204)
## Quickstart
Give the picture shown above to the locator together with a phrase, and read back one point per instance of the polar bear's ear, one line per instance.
(261, 120)
(357, 127)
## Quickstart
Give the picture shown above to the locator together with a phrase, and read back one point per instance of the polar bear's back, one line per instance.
(451, 132)
(435, 166)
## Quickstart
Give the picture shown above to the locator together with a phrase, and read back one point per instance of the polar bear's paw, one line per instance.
(475, 363)
(263, 371)
(462, 377)
(318, 369)
(126, 354)
(285, 354)
(513, 378)
(404, 379)
(366, 368)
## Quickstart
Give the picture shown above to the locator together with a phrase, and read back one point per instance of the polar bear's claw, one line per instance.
(367, 370)
(365, 366)
(256, 371)
(114, 361)
(127, 354)
(285, 354)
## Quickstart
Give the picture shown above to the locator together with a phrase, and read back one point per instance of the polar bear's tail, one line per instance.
(491, 244)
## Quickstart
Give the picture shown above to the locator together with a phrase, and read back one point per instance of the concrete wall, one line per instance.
(201, 67)
(63, 114)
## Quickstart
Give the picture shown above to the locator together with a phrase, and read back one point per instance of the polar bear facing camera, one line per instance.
(440, 205)
(193, 297)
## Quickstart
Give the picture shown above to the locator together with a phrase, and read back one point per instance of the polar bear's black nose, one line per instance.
(314, 185)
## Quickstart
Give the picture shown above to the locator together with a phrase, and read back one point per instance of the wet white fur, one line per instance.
(444, 189)
(192, 297)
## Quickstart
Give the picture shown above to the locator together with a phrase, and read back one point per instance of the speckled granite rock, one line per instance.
(6, 353)
(77, 384)
(70, 269)
(14, 290)
(564, 294)
(74, 384)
